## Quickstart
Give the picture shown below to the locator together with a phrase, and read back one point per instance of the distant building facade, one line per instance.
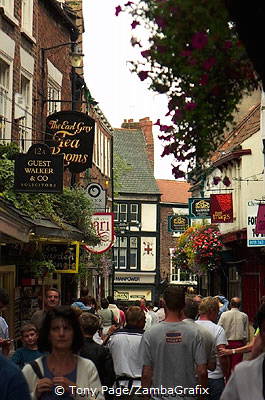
(136, 249)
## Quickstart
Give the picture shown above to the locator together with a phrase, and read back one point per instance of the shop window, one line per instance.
(133, 251)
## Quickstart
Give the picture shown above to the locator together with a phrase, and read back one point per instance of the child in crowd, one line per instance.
(29, 352)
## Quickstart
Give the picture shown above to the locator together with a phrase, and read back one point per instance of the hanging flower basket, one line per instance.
(198, 250)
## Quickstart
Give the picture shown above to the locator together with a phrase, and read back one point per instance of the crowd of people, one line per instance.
(189, 347)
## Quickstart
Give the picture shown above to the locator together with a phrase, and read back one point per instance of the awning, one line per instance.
(13, 227)
(18, 226)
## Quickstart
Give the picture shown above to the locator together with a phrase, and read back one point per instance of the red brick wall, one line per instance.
(146, 125)
(166, 241)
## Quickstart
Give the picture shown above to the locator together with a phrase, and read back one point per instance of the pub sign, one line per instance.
(221, 208)
(103, 223)
(178, 223)
(199, 207)
(38, 171)
(71, 133)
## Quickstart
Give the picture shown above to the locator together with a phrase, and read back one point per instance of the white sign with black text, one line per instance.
(253, 239)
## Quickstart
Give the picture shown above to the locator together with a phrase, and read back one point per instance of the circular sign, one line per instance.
(94, 190)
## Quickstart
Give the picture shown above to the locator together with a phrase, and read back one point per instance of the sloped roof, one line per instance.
(245, 129)
(173, 191)
(131, 146)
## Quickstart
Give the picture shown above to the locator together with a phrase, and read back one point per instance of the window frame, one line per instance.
(5, 127)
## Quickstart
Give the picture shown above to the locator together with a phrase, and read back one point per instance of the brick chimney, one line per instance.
(146, 126)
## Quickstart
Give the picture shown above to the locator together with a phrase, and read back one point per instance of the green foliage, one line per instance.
(72, 206)
(195, 57)
(40, 268)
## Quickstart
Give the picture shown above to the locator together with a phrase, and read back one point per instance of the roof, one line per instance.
(249, 125)
(173, 191)
(139, 178)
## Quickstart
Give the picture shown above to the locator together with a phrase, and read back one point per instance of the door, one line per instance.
(250, 293)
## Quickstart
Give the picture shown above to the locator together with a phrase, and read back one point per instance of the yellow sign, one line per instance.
(64, 256)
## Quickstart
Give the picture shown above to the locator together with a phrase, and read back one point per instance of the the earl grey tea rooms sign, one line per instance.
(38, 171)
(71, 133)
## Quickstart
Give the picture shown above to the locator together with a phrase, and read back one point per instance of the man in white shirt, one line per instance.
(124, 347)
(247, 379)
(208, 311)
(235, 324)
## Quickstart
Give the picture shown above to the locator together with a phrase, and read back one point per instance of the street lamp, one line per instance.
(76, 57)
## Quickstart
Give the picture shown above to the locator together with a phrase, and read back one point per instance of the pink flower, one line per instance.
(199, 40)
(166, 151)
(204, 79)
(177, 172)
(168, 137)
(118, 9)
(227, 44)
(143, 75)
(161, 48)
(161, 22)
(186, 53)
(134, 24)
(157, 122)
(192, 61)
(166, 128)
(145, 53)
(129, 3)
(190, 106)
(209, 63)
(177, 116)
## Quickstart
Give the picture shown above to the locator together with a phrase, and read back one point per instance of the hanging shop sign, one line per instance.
(103, 223)
(260, 223)
(199, 207)
(38, 171)
(97, 196)
(221, 208)
(71, 133)
(253, 239)
(65, 257)
(178, 223)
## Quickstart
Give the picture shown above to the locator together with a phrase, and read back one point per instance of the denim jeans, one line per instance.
(216, 387)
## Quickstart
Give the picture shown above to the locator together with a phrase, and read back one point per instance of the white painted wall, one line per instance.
(149, 217)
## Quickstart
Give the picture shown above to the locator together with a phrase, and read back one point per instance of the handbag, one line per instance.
(35, 366)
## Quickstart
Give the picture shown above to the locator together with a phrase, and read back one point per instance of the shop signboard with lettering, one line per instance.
(221, 208)
(199, 207)
(260, 224)
(178, 223)
(65, 257)
(71, 133)
(134, 278)
(38, 171)
(253, 239)
(97, 196)
(103, 223)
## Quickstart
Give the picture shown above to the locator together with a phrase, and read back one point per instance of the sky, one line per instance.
(120, 93)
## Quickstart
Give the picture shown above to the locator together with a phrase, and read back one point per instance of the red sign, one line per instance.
(103, 223)
(221, 208)
(260, 224)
